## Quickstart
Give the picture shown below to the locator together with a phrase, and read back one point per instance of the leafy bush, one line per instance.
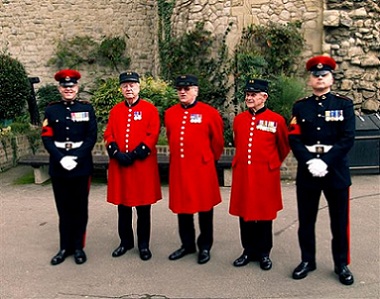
(283, 92)
(279, 45)
(79, 50)
(15, 88)
(47, 94)
(270, 52)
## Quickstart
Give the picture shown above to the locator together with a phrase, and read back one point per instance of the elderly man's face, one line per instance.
(130, 91)
(255, 100)
(187, 94)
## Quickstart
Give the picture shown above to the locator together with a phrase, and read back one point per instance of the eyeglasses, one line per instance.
(185, 88)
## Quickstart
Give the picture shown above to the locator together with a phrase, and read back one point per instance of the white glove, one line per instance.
(68, 162)
(317, 167)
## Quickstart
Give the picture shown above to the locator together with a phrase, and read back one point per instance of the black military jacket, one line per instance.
(70, 122)
(326, 120)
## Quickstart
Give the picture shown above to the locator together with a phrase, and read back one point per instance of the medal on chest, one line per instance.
(195, 118)
(334, 115)
(267, 126)
(137, 115)
(80, 116)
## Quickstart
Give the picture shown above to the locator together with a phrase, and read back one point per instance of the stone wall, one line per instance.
(30, 30)
(352, 37)
(11, 149)
(348, 30)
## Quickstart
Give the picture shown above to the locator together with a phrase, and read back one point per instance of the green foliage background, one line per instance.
(15, 88)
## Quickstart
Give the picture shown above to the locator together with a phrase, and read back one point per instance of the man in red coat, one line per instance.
(261, 142)
(195, 135)
(131, 136)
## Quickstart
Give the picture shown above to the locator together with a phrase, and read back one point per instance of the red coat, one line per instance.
(139, 183)
(195, 136)
(261, 143)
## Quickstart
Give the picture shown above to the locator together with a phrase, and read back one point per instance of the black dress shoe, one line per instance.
(59, 257)
(79, 256)
(302, 270)
(345, 275)
(121, 250)
(145, 254)
(203, 256)
(265, 263)
(241, 261)
(179, 253)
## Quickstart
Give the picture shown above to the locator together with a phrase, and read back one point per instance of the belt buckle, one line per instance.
(319, 149)
(68, 145)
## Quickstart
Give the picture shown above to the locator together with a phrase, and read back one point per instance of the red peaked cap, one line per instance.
(67, 77)
(319, 63)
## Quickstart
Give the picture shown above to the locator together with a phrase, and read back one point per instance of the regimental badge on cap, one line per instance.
(129, 77)
(256, 85)
(67, 77)
(186, 80)
(319, 63)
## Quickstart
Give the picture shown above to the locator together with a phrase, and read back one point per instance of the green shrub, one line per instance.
(15, 88)
(83, 50)
(278, 44)
(45, 95)
(283, 92)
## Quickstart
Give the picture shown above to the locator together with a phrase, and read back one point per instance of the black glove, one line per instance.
(142, 151)
(124, 159)
(112, 149)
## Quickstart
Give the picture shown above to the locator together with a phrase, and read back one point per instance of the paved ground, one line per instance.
(29, 238)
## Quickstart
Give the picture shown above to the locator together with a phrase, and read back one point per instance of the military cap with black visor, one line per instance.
(67, 77)
(186, 80)
(320, 65)
(256, 85)
(129, 77)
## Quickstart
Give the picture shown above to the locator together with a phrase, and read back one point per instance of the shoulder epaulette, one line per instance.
(84, 102)
(302, 99)
(54, 103)
(342, 96)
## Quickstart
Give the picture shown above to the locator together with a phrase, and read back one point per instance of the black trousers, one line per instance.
(338, 204)
(71, 199)
(256, 237)
(187, 230)
(125, 226)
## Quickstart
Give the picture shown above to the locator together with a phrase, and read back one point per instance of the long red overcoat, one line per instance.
(261, 143)
(139, 183)
(195, 136)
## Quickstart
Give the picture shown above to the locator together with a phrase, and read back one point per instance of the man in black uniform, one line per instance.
(321, 133)
(69, 134)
